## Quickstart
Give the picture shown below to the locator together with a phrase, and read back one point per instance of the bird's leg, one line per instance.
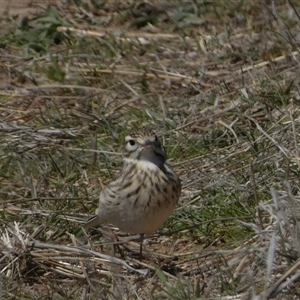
(115, 240)
(141, 246)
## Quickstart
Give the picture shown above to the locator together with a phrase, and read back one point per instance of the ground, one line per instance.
(218, 81)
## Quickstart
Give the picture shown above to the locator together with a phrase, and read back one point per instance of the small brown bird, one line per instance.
(145, 192)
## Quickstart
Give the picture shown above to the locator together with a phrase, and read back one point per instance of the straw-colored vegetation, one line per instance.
(218, 80)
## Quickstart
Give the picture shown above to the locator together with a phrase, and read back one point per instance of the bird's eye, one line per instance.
(131, 142)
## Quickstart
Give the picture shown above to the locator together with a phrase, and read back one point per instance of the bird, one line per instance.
(144, 193)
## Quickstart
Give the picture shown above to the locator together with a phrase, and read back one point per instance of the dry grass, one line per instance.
(219, 83)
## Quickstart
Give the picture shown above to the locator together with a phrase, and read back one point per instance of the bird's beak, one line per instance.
(151, 147)
(149, 144)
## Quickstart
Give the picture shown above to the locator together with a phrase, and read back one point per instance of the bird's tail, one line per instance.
(92, 222)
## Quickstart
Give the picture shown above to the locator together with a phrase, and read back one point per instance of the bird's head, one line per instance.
(145, 145)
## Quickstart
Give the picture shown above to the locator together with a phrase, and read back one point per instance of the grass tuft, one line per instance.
(217, 81)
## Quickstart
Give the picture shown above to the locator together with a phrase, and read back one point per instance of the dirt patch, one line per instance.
(24, 8)
(18, 10)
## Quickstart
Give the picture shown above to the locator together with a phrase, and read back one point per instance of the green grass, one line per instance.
(221, 90)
